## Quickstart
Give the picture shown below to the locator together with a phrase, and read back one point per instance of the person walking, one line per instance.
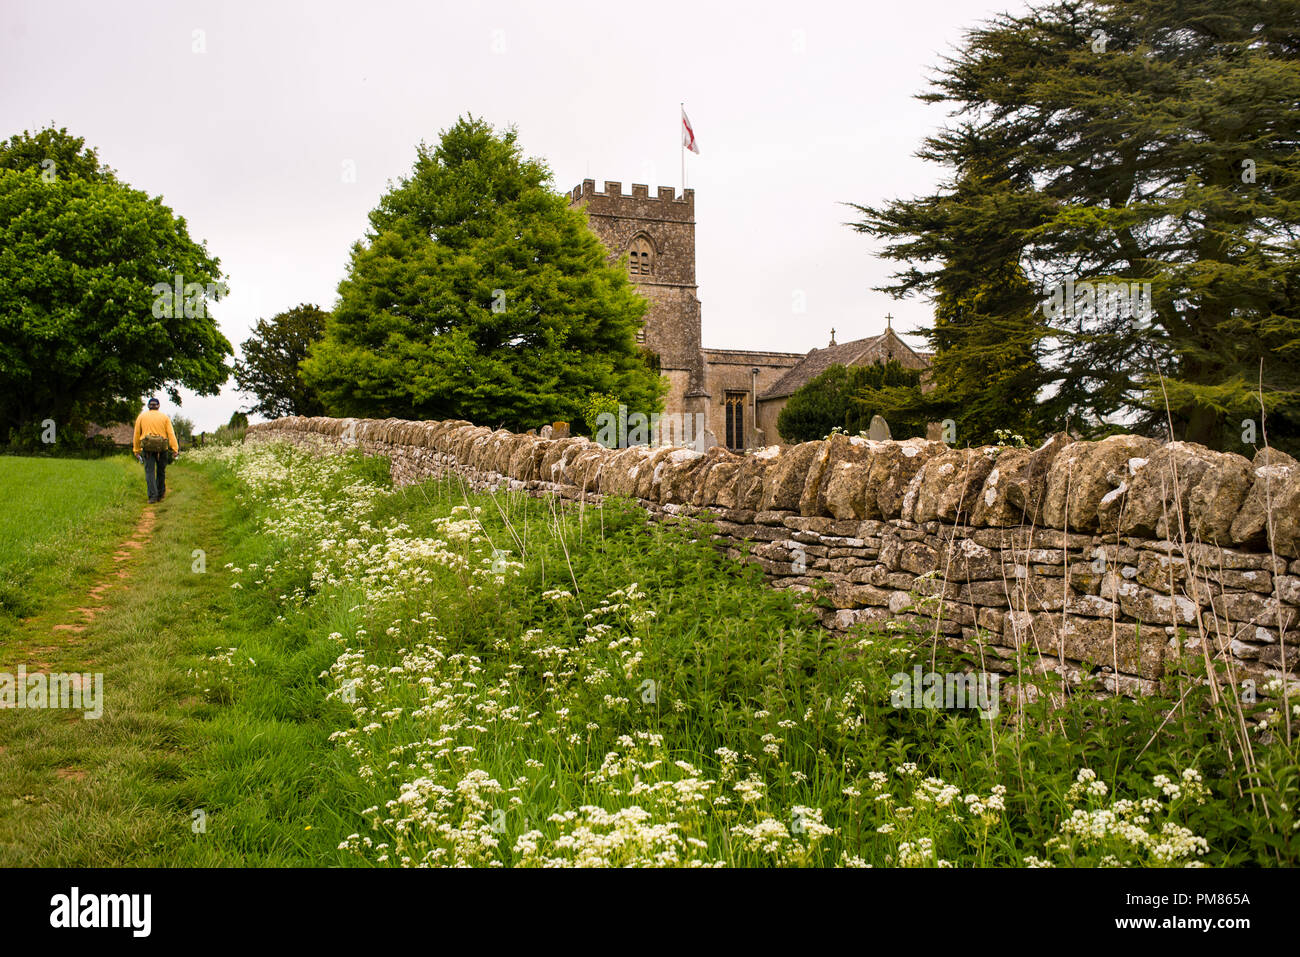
(155, 445)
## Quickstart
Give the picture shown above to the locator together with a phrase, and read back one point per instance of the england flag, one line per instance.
(688, 134)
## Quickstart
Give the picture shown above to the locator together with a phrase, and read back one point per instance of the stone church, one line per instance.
(739, 392)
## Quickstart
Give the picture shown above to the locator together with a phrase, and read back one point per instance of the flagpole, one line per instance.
(682, 140)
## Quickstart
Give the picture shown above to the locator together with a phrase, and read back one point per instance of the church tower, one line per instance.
(657, 233)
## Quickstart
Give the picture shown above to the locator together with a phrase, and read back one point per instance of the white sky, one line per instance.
(797, 108)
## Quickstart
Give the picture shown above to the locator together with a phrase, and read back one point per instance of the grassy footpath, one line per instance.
(125, 789)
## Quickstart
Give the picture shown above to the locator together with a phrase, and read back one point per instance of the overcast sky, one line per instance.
(798, 108)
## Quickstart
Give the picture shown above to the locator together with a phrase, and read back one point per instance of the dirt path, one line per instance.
(61, 641)
(117, 578)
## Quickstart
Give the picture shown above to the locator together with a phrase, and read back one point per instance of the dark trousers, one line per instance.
(155, 472)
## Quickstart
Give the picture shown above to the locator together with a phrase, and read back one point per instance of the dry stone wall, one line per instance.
(1111, 557)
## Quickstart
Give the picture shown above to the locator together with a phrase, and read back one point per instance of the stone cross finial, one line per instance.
(889, 321)
(832, 335)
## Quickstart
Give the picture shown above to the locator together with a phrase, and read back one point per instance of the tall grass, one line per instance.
(513, 682)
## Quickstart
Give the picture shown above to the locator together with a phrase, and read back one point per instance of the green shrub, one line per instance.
(597, 404)
(841, 398)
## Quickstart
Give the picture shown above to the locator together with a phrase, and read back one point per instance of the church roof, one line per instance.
(859, 352)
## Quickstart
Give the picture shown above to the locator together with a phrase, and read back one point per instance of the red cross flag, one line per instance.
(688, 134)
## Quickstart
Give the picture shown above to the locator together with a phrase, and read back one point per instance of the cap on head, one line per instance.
(153, 403)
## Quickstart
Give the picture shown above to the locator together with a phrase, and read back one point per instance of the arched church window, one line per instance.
(640, 257)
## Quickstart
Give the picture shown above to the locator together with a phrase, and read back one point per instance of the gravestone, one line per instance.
(879, 430)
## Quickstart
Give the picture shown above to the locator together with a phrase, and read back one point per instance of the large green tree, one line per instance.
(85, 328)
(846, 397)
(986, 373)
(1126, 142)
(479, 294)
(272, 355)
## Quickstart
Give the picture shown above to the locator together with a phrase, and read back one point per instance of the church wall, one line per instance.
(672, 327)
(731, 370)
(679, 383)
(768, 412)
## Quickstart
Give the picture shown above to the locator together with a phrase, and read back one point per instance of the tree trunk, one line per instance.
(1205, 427)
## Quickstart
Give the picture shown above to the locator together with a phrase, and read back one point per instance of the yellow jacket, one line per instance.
(153, 422)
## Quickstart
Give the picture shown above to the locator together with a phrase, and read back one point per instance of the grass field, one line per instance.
(309, 667)
(171, 774)
(59, 517)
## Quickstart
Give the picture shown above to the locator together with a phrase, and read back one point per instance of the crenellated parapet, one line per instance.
(668, 204)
